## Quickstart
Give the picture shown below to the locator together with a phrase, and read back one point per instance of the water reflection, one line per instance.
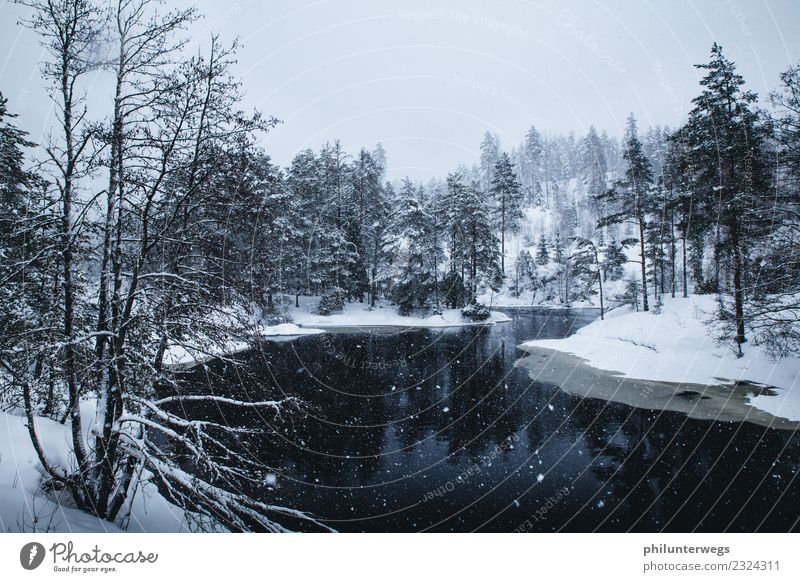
(440, 430)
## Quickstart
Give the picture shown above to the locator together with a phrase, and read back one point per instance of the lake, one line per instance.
(453, 430)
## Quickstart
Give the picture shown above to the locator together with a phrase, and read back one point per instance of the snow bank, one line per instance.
(674, 346)
(25, 507)
(287, 329)
(181, 356)
(361, 315)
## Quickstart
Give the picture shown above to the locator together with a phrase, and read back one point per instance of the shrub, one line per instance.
(331, 300)
(476, 312)
(453, 290)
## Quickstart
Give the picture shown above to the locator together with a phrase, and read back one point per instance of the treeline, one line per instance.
(717, 211)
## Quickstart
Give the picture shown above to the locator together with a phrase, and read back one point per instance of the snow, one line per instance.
(357, 315)
(675, 346)
(287, 329)
(25, 507)
(305, 321)
(185, 356)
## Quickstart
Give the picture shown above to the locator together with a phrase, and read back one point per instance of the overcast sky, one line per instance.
(428, 78)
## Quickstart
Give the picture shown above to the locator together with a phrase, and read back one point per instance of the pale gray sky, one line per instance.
(428, 78)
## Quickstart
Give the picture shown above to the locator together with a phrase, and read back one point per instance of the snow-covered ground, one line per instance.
(185, 355)
(24, 507)
(306, 321)
(675, 346)
(358, 315)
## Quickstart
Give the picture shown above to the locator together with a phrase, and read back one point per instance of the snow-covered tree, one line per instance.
(542, 252)
(725, 147)
(415, 283)
(490, 154)
(630, 197)
(481, 246)
(524, 272)
(593, 163)
(530, 166)
(505, 189)
(614, 260)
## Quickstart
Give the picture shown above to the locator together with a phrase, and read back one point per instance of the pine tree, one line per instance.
(453, 205)
(490, 153)
(777, 284)
(415, 282)
(542, 253)
(303, 181)
(724, 143)
(631, 195)
(586, 266)
(594, 163)
(480, 244)
(29, 279)
(366, 206)
(524, 272)
(340, 263)
(531, 154)
(613, 261)
(507, 194)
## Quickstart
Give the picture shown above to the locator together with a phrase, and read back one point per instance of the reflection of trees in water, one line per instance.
(482, 410)
(672, 483)
(464, 370)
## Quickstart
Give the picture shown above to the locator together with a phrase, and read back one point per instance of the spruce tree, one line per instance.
(531, 156)
(594, 163)
(505, 189)
(480, 244)
(724, 141)
(524, 272)
(614, 261)
(414, 284)
(490, 153)
(542, 253)
(630, 197)
(29, 279)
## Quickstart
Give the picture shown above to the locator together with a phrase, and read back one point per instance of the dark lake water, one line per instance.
(438, 430)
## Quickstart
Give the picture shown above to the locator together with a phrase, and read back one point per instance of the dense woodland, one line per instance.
(166, 224)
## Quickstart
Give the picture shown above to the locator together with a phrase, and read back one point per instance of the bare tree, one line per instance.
(172, 118)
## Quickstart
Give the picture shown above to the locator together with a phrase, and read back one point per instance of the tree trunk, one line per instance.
(503, 238)
(685, 274)
(672, 251)
(738, 292)
(642, 255)
(600, 281)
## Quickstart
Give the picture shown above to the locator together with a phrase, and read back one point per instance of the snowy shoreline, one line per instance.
(365, 318)
(674, 347)
(182, 357)
(353, 318)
